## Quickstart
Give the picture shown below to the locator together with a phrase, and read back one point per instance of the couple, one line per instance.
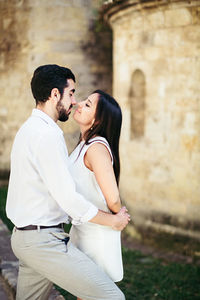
(46, 189)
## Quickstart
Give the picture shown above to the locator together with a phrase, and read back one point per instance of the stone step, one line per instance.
(5, 293)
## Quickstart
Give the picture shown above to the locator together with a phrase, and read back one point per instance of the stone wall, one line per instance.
(156, 77)
(34, 33)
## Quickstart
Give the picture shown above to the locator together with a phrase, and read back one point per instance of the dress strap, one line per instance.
(97, 139)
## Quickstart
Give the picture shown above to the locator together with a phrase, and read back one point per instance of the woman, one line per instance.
(95, 167)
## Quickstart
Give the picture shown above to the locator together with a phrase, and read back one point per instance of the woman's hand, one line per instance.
(117, 221)
(121, 219)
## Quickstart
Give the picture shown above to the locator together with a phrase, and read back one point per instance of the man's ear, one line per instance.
(55, 94)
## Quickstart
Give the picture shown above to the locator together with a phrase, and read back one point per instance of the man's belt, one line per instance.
(36, 227)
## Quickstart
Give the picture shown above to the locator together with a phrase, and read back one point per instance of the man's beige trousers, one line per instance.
(45, 259)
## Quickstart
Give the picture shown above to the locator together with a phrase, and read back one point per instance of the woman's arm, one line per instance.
(98, 160)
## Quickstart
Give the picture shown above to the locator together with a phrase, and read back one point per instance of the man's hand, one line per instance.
(117, 222)
(121, 219)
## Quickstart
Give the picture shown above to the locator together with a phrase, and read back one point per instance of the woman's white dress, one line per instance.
(101, 243)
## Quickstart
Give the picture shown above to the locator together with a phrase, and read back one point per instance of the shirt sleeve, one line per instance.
(52, 163)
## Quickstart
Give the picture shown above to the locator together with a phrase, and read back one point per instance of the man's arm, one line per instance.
(117, 221)
(52, 164)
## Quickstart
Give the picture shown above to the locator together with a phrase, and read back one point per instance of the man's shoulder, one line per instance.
(33, 130)
(39, 126)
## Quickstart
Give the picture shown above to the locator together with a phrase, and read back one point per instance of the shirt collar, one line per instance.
(39, 113)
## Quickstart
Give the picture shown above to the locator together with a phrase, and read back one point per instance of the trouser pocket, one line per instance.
(62, 236)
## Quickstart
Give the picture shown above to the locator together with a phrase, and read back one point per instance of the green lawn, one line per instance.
(146, 278)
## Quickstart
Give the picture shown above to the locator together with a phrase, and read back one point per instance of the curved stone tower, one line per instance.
(156, 78)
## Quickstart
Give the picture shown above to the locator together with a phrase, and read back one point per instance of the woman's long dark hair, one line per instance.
(108, 121)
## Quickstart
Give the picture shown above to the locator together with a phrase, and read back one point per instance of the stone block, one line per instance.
(178, 17)
(63, 46)
(6, 23)
(153, 53)
(161, 38)
(154, 20)
(137, 22)
(195, 15)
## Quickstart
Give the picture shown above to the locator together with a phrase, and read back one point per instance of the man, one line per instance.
(41, 196)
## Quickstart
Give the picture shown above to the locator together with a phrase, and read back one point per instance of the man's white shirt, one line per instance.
(41, 190)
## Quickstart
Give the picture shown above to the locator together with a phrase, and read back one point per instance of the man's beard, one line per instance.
(63, 116)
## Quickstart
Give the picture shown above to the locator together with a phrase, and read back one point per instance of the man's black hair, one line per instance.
(48, 77)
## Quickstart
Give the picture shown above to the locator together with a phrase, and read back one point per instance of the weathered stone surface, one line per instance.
(160, 170)
(177, 17)
(34, 33)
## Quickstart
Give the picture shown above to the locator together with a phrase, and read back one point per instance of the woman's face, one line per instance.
(85, 113)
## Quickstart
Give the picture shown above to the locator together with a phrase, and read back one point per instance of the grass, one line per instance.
(146, 278)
